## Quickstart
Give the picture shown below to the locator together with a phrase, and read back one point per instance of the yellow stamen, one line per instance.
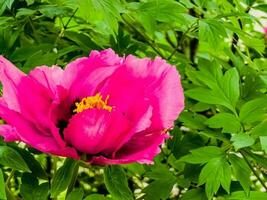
(92, 102)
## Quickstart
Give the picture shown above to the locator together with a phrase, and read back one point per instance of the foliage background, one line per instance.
(219, 143)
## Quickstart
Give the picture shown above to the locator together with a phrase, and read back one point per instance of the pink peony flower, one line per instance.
(115, 110)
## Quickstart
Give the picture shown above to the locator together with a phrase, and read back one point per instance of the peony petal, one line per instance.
(84, 75)
(154, 81)
(10, 77)
(35, 103)
(138, 149)
(93, 131)
(9, 133)
(49, 77)
(29, 134)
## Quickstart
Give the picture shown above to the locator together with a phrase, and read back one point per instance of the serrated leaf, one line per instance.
(63, 176)
(2, 186)
(203, 155)
(242, 140)
(211, 31)
(224, 90)
(228, 122)
(208, 96)
(116, 183)
(253, 110)
(215, 173)
(11, 158)
(242, 171)
(106, 12)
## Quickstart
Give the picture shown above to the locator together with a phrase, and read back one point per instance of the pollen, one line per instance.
(92, 102)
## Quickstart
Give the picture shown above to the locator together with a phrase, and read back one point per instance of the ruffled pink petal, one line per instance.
(9, 133)
(29, 134)
(49, 77)
(142, 82)
(10, 77)
(93, 131)
(162, 87)
(35, 102)
(138, 149)
(83, 76)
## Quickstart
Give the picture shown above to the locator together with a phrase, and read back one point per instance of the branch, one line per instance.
(254, 171)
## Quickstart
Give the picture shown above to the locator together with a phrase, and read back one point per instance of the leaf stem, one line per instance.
(9, 193)
(10, 177)
(254, 171)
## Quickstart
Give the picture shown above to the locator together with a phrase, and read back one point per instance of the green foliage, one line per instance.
(31, 190)
(2, 186)
(11, 158)
(218, 145)
(62, 178)
(116, 183)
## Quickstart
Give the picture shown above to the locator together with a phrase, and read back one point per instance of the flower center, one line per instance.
(92, 102)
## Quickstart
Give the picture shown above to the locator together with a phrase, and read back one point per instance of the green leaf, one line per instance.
(263, 140)
(97, 197)
(83, 41)
(159, 189)
(29, 2)
(240, 195)
(162, 185)
(215, 173)
(208, 96)
(193, 120)
(224, 90)
(211, 31)
(194, 194)
(116, 183)
(62, 177)
(31, 190)
(242, 171)
(262, 7)
(203, 155)
(2, 186)
(242, 140)
(76, 194)
(35, 167)
(104, 12)
(253, 110)
(227, 121)
(259, 130)
(5, 4)
(11, 158)
(230, 85)
(52, 10)
(161, 10)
